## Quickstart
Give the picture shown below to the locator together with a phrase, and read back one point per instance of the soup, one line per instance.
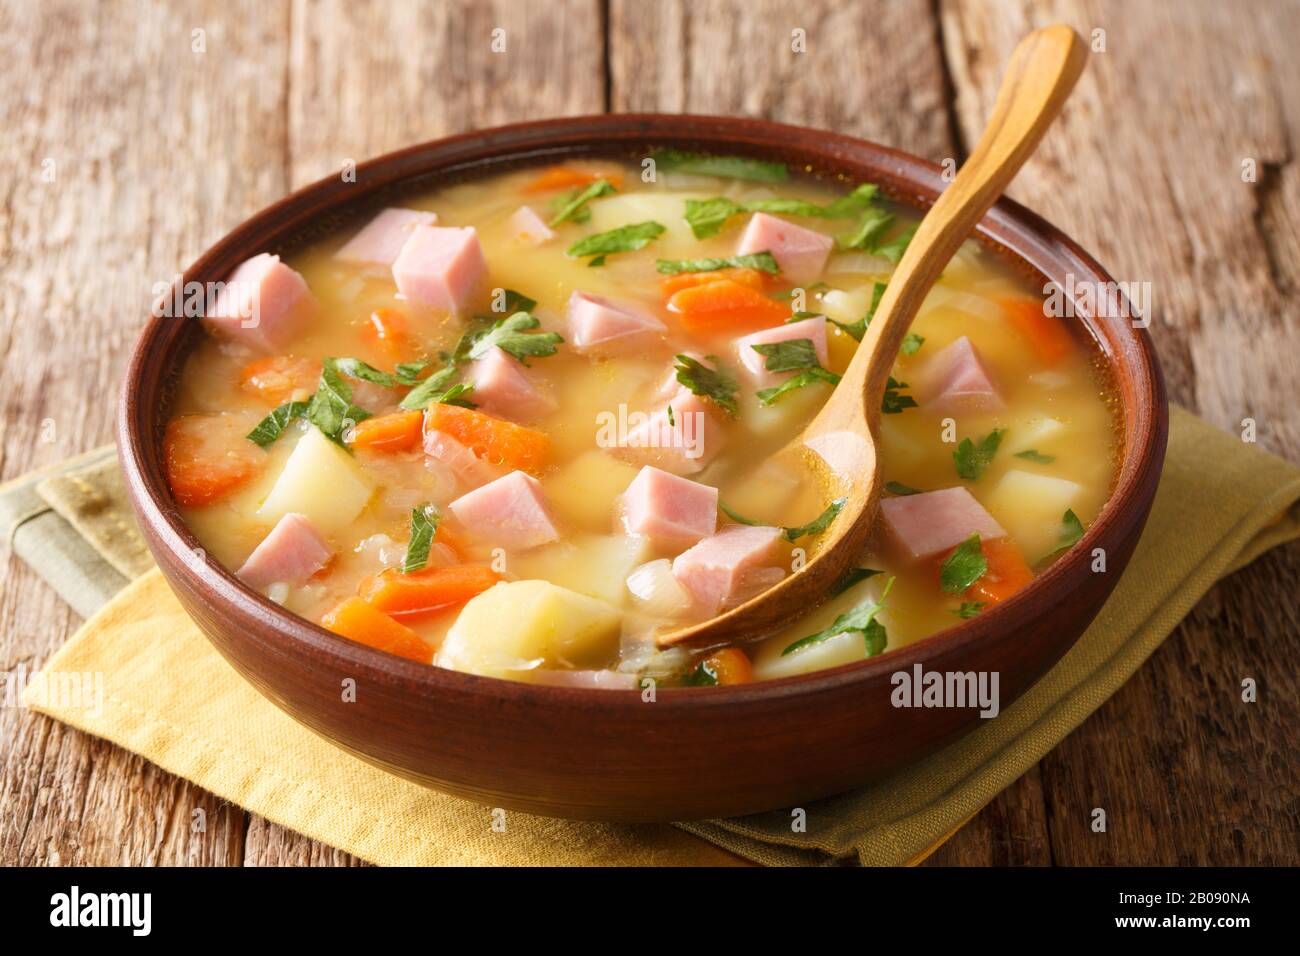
(526, 426)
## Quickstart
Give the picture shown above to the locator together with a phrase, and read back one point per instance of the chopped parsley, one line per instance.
(407, 374)
(861, 620)
(729, 167)
(868, 232)
(273, 425)
(702, 676)
(438, 389)
(964, 566)
(511, 302)
(572, 207)
(1037, 457)
(331, 409)
(711, 383)
(859, 328)
(898, 488)
(769, 396)
(912, 343)
(969, 609)
(894, 400)
(623, 239)
(893, 249)
(1071, 532)
(706, 217)
(738, 518)
(972, 458)
(818, 524)
(424, 525)
(762, 261)
(792, 355)
(851, 577)
(512, 335)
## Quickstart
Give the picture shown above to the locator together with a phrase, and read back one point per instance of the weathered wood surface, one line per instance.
(157, 150)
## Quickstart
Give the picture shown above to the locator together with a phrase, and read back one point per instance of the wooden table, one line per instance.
(135, 134)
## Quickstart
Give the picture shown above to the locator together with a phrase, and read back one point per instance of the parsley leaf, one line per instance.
(898, 488)
(818, 524)
(788, 356)
(738, 518)
(859, 328)
(1071, 532)
(730, 167)
(868, 231)
(273, 425)
(706, 217)
(893, 249)
(424, 525)
(859, 619)
(711, 383)
(768, 396)
(702, 676)
(509, 335)
(972, 458)
(435, 390)
(623, 239)
(407, 374)
(574, 206)
(331, 409)
(851, 577)
(964, 566)
(912, 343)
(762, 261)
(969, 609)
(512, 302)
(895, 401)
(1037, 457)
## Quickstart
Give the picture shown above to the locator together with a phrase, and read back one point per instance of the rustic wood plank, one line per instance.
(137, 152)
(873, 70)
(268, 844)
(1145, 169)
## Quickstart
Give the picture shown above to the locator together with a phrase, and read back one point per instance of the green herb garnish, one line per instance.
(623, 239)
(424, 525)
(859, 328)
(859, 619)
(574, 206)
(969, 609)
(730, 167)
(711, 383)
(972, 458)
(769, 396)
(868, 232)
(762, 261)
(511, 302)
(851, 577)
(893, 249)
(818, 524)
(273, 425)
(964, 566)
(912, 343)
(1071, 532)
(898, 488)
(706, 217)
(1035, 456)
(788, 356)
(331, 409)
(895, 401)
(438, 389)
(701, 676)
(512, 335)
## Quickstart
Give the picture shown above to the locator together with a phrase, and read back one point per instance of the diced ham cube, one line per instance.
(291, 553)
(669, 509)
(529, 227)
(921, 526)
(600, 324)
(955, 379)
(380, 241)
(502, 388)
(754, 362)
(714, 570)
(264, 303)
(801, 253)
(469, 469)
(440, 267)
(507, 513)
(682, 443)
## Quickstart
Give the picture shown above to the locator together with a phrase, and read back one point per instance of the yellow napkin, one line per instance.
(169, 697)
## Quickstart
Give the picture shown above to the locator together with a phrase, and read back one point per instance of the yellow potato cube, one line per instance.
(321, 481)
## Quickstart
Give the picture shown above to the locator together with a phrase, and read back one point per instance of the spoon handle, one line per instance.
(1039, 77)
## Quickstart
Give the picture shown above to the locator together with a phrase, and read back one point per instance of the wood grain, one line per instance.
(153, 163)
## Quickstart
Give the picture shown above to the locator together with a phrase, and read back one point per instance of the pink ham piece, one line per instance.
(468, 468)
(290, 554)
(596, 680)
(683, 445)
(668, 509)
(380, 242)
(801, 253)
(502, 388)
(507, 513)
(714, 570)
(955, 379)
(599, 324)
(264, 303)
(529, 227)
(922, 526)
(754, 363)
(440, 267)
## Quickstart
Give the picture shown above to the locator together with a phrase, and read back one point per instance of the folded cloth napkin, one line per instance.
(169, 697)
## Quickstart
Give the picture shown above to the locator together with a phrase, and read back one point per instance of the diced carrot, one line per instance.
(445, 535)
(389, 332)
(730, 666)
(566, 177)
(1048, 337)
(726, 305)
(750, 278)
(366, 624)
(495, 440)
(207, 457)
(275, 378)
(1006, 575)
(426, 591)
(397, 431)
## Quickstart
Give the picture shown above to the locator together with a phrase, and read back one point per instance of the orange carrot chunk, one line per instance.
(1006, 575)
(398, 431)
(275, 378)
(726, 305)
(729, 666)
(427, 590)
(566, 177)
(366, 624)
(207, 457)
(495, 440)
(750, 278)
(1045, 333)
(388, 331)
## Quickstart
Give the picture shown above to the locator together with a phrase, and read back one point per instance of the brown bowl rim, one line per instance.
(1009, 226)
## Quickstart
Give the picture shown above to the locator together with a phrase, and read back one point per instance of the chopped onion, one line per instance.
(656, 591)
(980, 308)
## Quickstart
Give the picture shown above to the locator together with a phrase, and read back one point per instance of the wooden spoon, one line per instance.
(840, 443)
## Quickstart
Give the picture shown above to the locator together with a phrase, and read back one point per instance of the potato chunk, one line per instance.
(1030, 507)
(513, 628)
(321, 481)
